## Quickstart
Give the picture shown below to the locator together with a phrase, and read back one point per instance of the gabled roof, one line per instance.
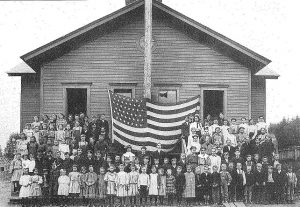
(217, 41)
(19, 69)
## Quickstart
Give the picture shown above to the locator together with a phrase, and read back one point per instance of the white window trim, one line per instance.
(132, 86)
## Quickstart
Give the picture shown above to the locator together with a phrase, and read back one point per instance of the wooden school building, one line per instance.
(73, 73)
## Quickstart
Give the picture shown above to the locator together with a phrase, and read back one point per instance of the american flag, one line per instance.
(138, 122)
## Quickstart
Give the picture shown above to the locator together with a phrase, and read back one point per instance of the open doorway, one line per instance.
(76, 100)
(213, 102)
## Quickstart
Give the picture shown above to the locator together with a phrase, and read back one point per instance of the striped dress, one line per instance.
(170, 185)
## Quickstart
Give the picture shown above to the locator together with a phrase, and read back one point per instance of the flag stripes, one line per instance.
(139, 122)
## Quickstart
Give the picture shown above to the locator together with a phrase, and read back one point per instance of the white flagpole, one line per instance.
(111, 116)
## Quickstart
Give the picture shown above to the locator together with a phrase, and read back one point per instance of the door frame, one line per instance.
(213, 88)
(86, 86)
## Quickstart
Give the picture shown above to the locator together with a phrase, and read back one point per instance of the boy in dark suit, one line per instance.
(280, 180)
(229, 148)
(260, 183)
(205, 184)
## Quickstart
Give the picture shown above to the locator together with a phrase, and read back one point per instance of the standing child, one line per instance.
(51, 132)
(240, 182)
(101, 192)
(198, 187)
(45, 187)
(291, 184)
(53, 182)
(74, 176)
(161, 185)
(206, 184)
(216, 182)
(225, 182)
(60, 134)
(122, 182)
(63, 187)
(133, 185)
(143, 185)
(91, 179)
(153, 189)
(110, 179)
(16, 170)
(83, 187)
(260, 182)
(270, 185)
(77, 131)
(35, 187)
(170, 186)
(250, 180)
(68, 133)
(25, 187)
(179, 184)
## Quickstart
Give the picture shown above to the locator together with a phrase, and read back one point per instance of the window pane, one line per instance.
(167, 96)
(123, 92)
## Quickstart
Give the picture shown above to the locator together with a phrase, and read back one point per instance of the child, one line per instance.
(206, 184)
(202, 159)
(250, 180)
(83, 144)
(83, 187)
(32, 146)
(192, 159)
(31, 164)
(68, 133)
(280, 183)
(53, 182)
(45, 187)
(63, 187)
(25, 187)
(276, 160)
(51, 132)
(225, 182)
(198, 193)
(270, 185)
(63, 148)
(21, 144)
(260, 182)
(28, 130)
(77, 132)
(291, 184)
(133, 187)
(16, 170)
(153, 189)
(35, 187)
(240, 182)
(122, 185)
(170, 186)
(161, 185)
(55, 149)
(216, 182)
(249, 163)
(143, 185)
(233, 126)
(91, 179)
(166, 165)
(101, 192)
(60, 134)
(218, 136)
(74, 190)
(232, 187)
(179, 184)
(110, 179)
(245, 125)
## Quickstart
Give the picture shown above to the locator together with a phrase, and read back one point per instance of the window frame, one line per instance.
(132, 86)
(158, 87)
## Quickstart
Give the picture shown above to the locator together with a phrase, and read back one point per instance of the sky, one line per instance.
(268, 27)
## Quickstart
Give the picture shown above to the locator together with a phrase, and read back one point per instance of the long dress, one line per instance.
(16, 169)
(189, 191)
(101, 192)
(170, 185)
(153, 189)
(161, 185)
(35, 187)
(91, 179)
(122, 182)
(25, 186)
(63, 185)
(133, 183)
(110, 178)
(74, 182)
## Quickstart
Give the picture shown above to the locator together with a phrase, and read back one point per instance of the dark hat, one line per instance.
(193, 147)
(144, 147)
(233, 119)
(128, 146)
(174, 158)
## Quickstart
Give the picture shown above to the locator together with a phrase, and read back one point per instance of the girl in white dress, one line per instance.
(63, 186)
(153, 189)
(35, 187)
(74, 176)
(122, 182)
(25, 187)
(161, 185)
(110, 179)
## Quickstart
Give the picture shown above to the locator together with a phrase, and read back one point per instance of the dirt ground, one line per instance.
(5, 196)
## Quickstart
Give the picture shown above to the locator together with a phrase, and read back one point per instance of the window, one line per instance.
(167, 96)
(124, 92)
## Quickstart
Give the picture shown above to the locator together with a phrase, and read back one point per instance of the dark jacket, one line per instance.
(206, 180)
(250, 179)
(260, 177)
(179, 181)
(233, 175)
(216, 179)
(230, 151)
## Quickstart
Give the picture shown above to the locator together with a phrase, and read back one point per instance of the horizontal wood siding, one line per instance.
(258, 97)
(116, 58)
(30, 98)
